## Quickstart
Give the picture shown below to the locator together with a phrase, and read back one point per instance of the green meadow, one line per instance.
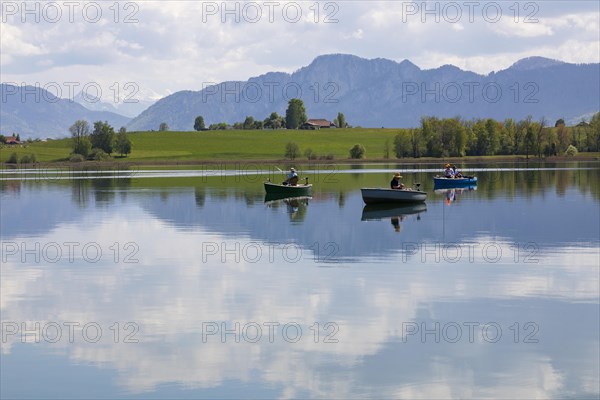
(235, 145)
(225, 145)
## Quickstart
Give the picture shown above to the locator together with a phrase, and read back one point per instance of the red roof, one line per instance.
(12, 140)
(320, 122)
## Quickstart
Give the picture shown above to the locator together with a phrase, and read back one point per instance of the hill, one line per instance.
(34, 112)
(381, 92)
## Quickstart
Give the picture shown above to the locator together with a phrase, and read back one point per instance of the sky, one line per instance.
(145, 50)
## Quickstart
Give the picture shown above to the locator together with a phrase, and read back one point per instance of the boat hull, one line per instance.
(441, 182)
(274, 190)
(379, 196)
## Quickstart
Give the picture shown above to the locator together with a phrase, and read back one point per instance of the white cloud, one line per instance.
(510, 29)
(14, 43)
(177, 45)
(357, 34)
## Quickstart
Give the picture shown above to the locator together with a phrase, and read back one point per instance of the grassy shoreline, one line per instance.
(586, 157)
(254, 147)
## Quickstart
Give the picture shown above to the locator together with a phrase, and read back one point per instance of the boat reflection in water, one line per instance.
(453, 194)
(396, 213)
(296, 206)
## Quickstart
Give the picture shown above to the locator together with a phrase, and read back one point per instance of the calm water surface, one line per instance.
(167, 283)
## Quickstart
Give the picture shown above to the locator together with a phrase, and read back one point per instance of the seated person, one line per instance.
(395, 183)
(292, 178)
(455, 173)
(448, 172)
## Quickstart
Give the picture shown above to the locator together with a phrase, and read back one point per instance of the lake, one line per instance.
(185, 283)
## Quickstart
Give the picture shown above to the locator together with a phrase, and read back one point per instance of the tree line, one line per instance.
(295, 117)
(99, 143)
(455, 137)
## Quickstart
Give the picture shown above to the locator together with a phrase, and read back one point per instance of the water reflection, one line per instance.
(216, 254)
(295, 206)
(452, 195)
(396, 213)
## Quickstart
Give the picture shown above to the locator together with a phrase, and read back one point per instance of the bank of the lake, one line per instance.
(263, 146)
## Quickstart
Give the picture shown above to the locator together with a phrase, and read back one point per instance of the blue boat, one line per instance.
(443, 182)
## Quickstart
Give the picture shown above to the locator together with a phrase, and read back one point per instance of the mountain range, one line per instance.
(370, 93)
(128, 109)
(381, 92)
(34, 112)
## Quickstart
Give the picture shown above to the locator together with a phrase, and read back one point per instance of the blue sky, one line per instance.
(164, 47)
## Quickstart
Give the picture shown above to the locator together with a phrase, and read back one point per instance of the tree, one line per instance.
(80, 131)
(103, 137)
(487, 138)
(163, 127)
(98, 154)
(594, 133)
(529, 140)
(292, 151)
(122, 130)
(341, 121)
(248, 123)
(571, 151)
(563, 135)
(559, 122)
(274, 121)
(416, 143)
(539, 137)
(431, 132)
(123, 144)
(199, 123)
(507, 136)
(402, 144)
(386, 149)
(453, 136)
(310, 154)
(295, 115)
(82, 147)
(357, 151)
(221, 126)
(520, 143)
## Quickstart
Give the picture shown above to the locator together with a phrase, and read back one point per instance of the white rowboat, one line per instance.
(374, 196)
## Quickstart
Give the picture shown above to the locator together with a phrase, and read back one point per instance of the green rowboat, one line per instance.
(281, 191)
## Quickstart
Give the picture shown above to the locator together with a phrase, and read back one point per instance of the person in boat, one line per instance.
(292, 178)
(395, 183)
(448, 172)
(456, 174)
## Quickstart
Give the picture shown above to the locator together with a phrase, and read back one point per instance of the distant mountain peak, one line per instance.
(336, 57)
(535, 63)
(449, 67)
(406, 63)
